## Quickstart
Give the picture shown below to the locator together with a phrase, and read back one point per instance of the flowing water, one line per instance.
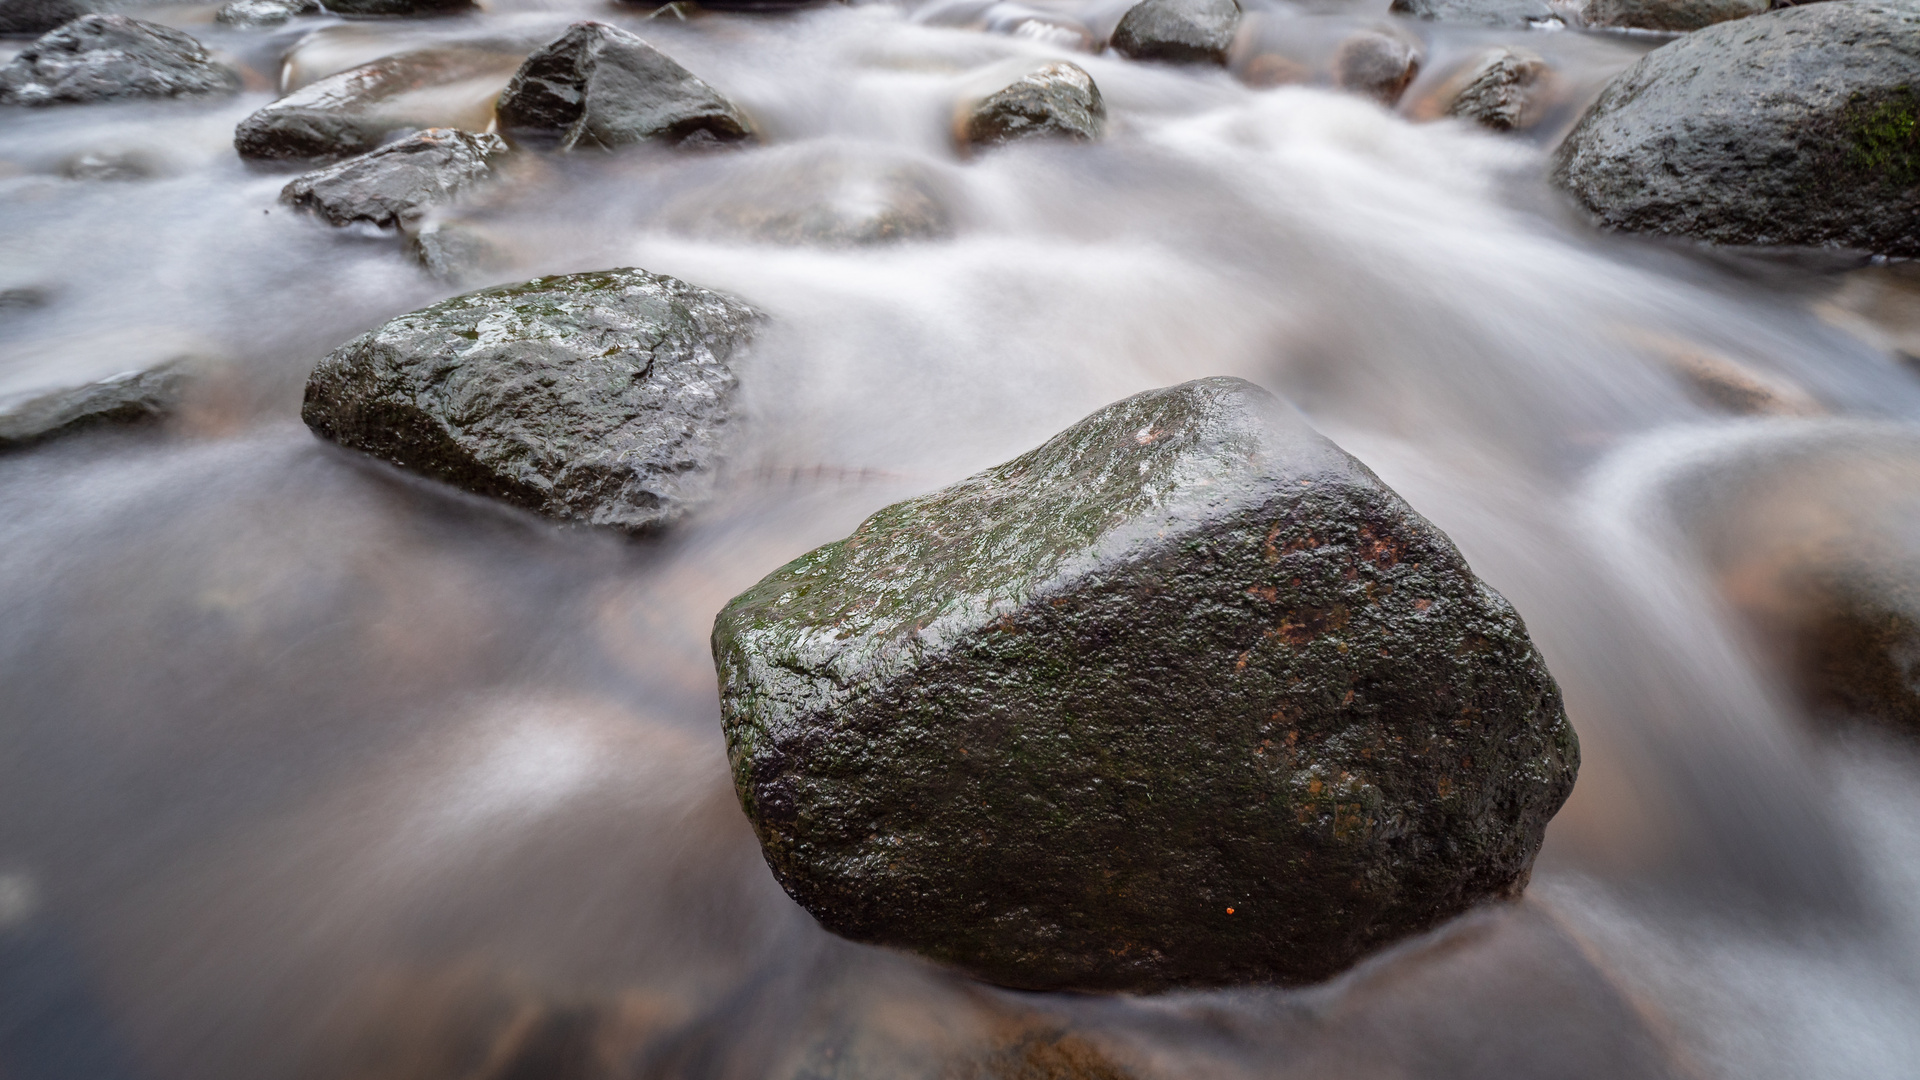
(310, 769)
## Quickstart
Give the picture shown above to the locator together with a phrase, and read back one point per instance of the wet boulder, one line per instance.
(597, 398)
(259, 13)
(1058, 101)
(354, 111)
(129, 397)
(602, 87)
(1518, 13)
(110, 58)
(1178, 31)
(396, 184)
(1376, 65)
(36, 17)
(1184, 697)
(1672, 16)
(1797, 127)
(1503, 89)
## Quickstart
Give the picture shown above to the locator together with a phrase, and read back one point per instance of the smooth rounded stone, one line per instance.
(401, 8)
(36, 17)
(804, 196)
(1179, 31)
(1058, 101)
(1183, 697)
(259, 13)
(354, 111)
(1797, 127)
(129, 397)
(1376, 65)
(597, 398)
(1673, 16)
(110, 58)
(1503, 89)
(396, 184)
(601, 87)
(1529, 13)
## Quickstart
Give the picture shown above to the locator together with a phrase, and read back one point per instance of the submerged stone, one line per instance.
(818, 195)
(596, 398)
(601, 87)
(129, 397)
(110, 58)
(1180, 31)
(1376, 65)
(394, 185)
(1058, 101)
(1184, 697)
(1797, 127)
(354, 111)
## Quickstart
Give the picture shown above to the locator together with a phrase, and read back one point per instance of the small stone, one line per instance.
(1184, 697)
(129, 397)
(1501, 90)
(1672, 16)
(394, 185)
(36, 17)
(1518, 13)
(601, 87)
(1376, 65)
(1059, 101)
(258, 13)
(354, 111)
(598, 398)
(1179, 31)
(111, 58)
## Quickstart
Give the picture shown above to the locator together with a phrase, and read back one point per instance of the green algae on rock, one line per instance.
(1184, 697)
(598, 398)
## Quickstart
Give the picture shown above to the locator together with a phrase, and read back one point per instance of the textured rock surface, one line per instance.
(1797, 127)
(1059, 101)
(1677, 16)
(111, 57)
(250, 13)
(599, 86)
(129, 397)
(597, 398)
(1377, 65)
(1185, 696)
(36, 17)
(353, 111)
(1181, 31)
(1502, 89)
(1535, 13)
(394, 185)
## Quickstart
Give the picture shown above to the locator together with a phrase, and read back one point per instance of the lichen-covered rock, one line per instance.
(260, 13)
(1673, 16)
(110, 58)
(36, 17)
(1185, 696)
(353, 111)
(1376, 65)
(394, 185)
(1796, 127)
(1502, 89)
(601, 87)
(597, 398)
(1529, 13)
(129, 397)
(1058, 101)
(1179, 31)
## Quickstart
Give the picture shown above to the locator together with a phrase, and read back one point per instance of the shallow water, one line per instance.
(310, 769)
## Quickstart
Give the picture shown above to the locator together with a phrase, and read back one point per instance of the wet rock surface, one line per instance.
(1179, 31)
(1503, 89)
(1059, 101)
(109, 58)
(1674, 16)
(396, 184)
(354, 111)
(596, 398)
(129, 397)
(1796, 127)
(259, 13)
(1185, 696)
(1376, 65)
(19, 17)
(601, 87)
(1534, 13)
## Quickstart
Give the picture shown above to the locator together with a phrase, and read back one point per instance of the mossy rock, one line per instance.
(1184, 697)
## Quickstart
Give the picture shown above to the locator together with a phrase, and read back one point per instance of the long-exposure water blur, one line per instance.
(311, 768)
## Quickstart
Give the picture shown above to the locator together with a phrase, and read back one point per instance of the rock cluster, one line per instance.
(394, 185)
(1178, 31)
(1186, 696)
(108, 58)
(601, 87)
(1058, 101)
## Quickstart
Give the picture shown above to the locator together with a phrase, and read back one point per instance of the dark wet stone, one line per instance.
(400, 7)
(109, 58)
(1180, 31)
(127, 398)
(597, 398)
(251, 13)
(1376, 65)
(394, 185)
(1184, 697)
(601, 87)
(354, 111)
(1059, 101)
(1797, 127)
(36, 17)
(1535, 13)
(1674, 16)
(1502, 89)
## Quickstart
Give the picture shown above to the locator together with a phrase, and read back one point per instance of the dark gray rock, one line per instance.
(1184, 697)
(394, 185)
(1179, 31)
(1059, 101)
(410, 8)
(36, 17)
(1502, 89)
(1376, 65)
(1533, 13)
(257, 13)
(1673, 16)
(597, 398)
(130, 397)
(109, 58)
(601, 87)
(354, 111)
(1797, 127)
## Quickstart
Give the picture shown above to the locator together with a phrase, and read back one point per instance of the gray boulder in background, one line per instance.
(110, 58)
(1178, 31)
(1672, 16)
(598, 86)
(1529, 13)
(394, 185)
(1057, 101)
(36, 17)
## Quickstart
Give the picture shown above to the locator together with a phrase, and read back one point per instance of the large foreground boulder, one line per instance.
(396, 184)
(1057, 101)
(1797, 127)
(1184, 697)
(597, 398)
(354, 111)
(110, 58)
(601, 87)
(1178, 31)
